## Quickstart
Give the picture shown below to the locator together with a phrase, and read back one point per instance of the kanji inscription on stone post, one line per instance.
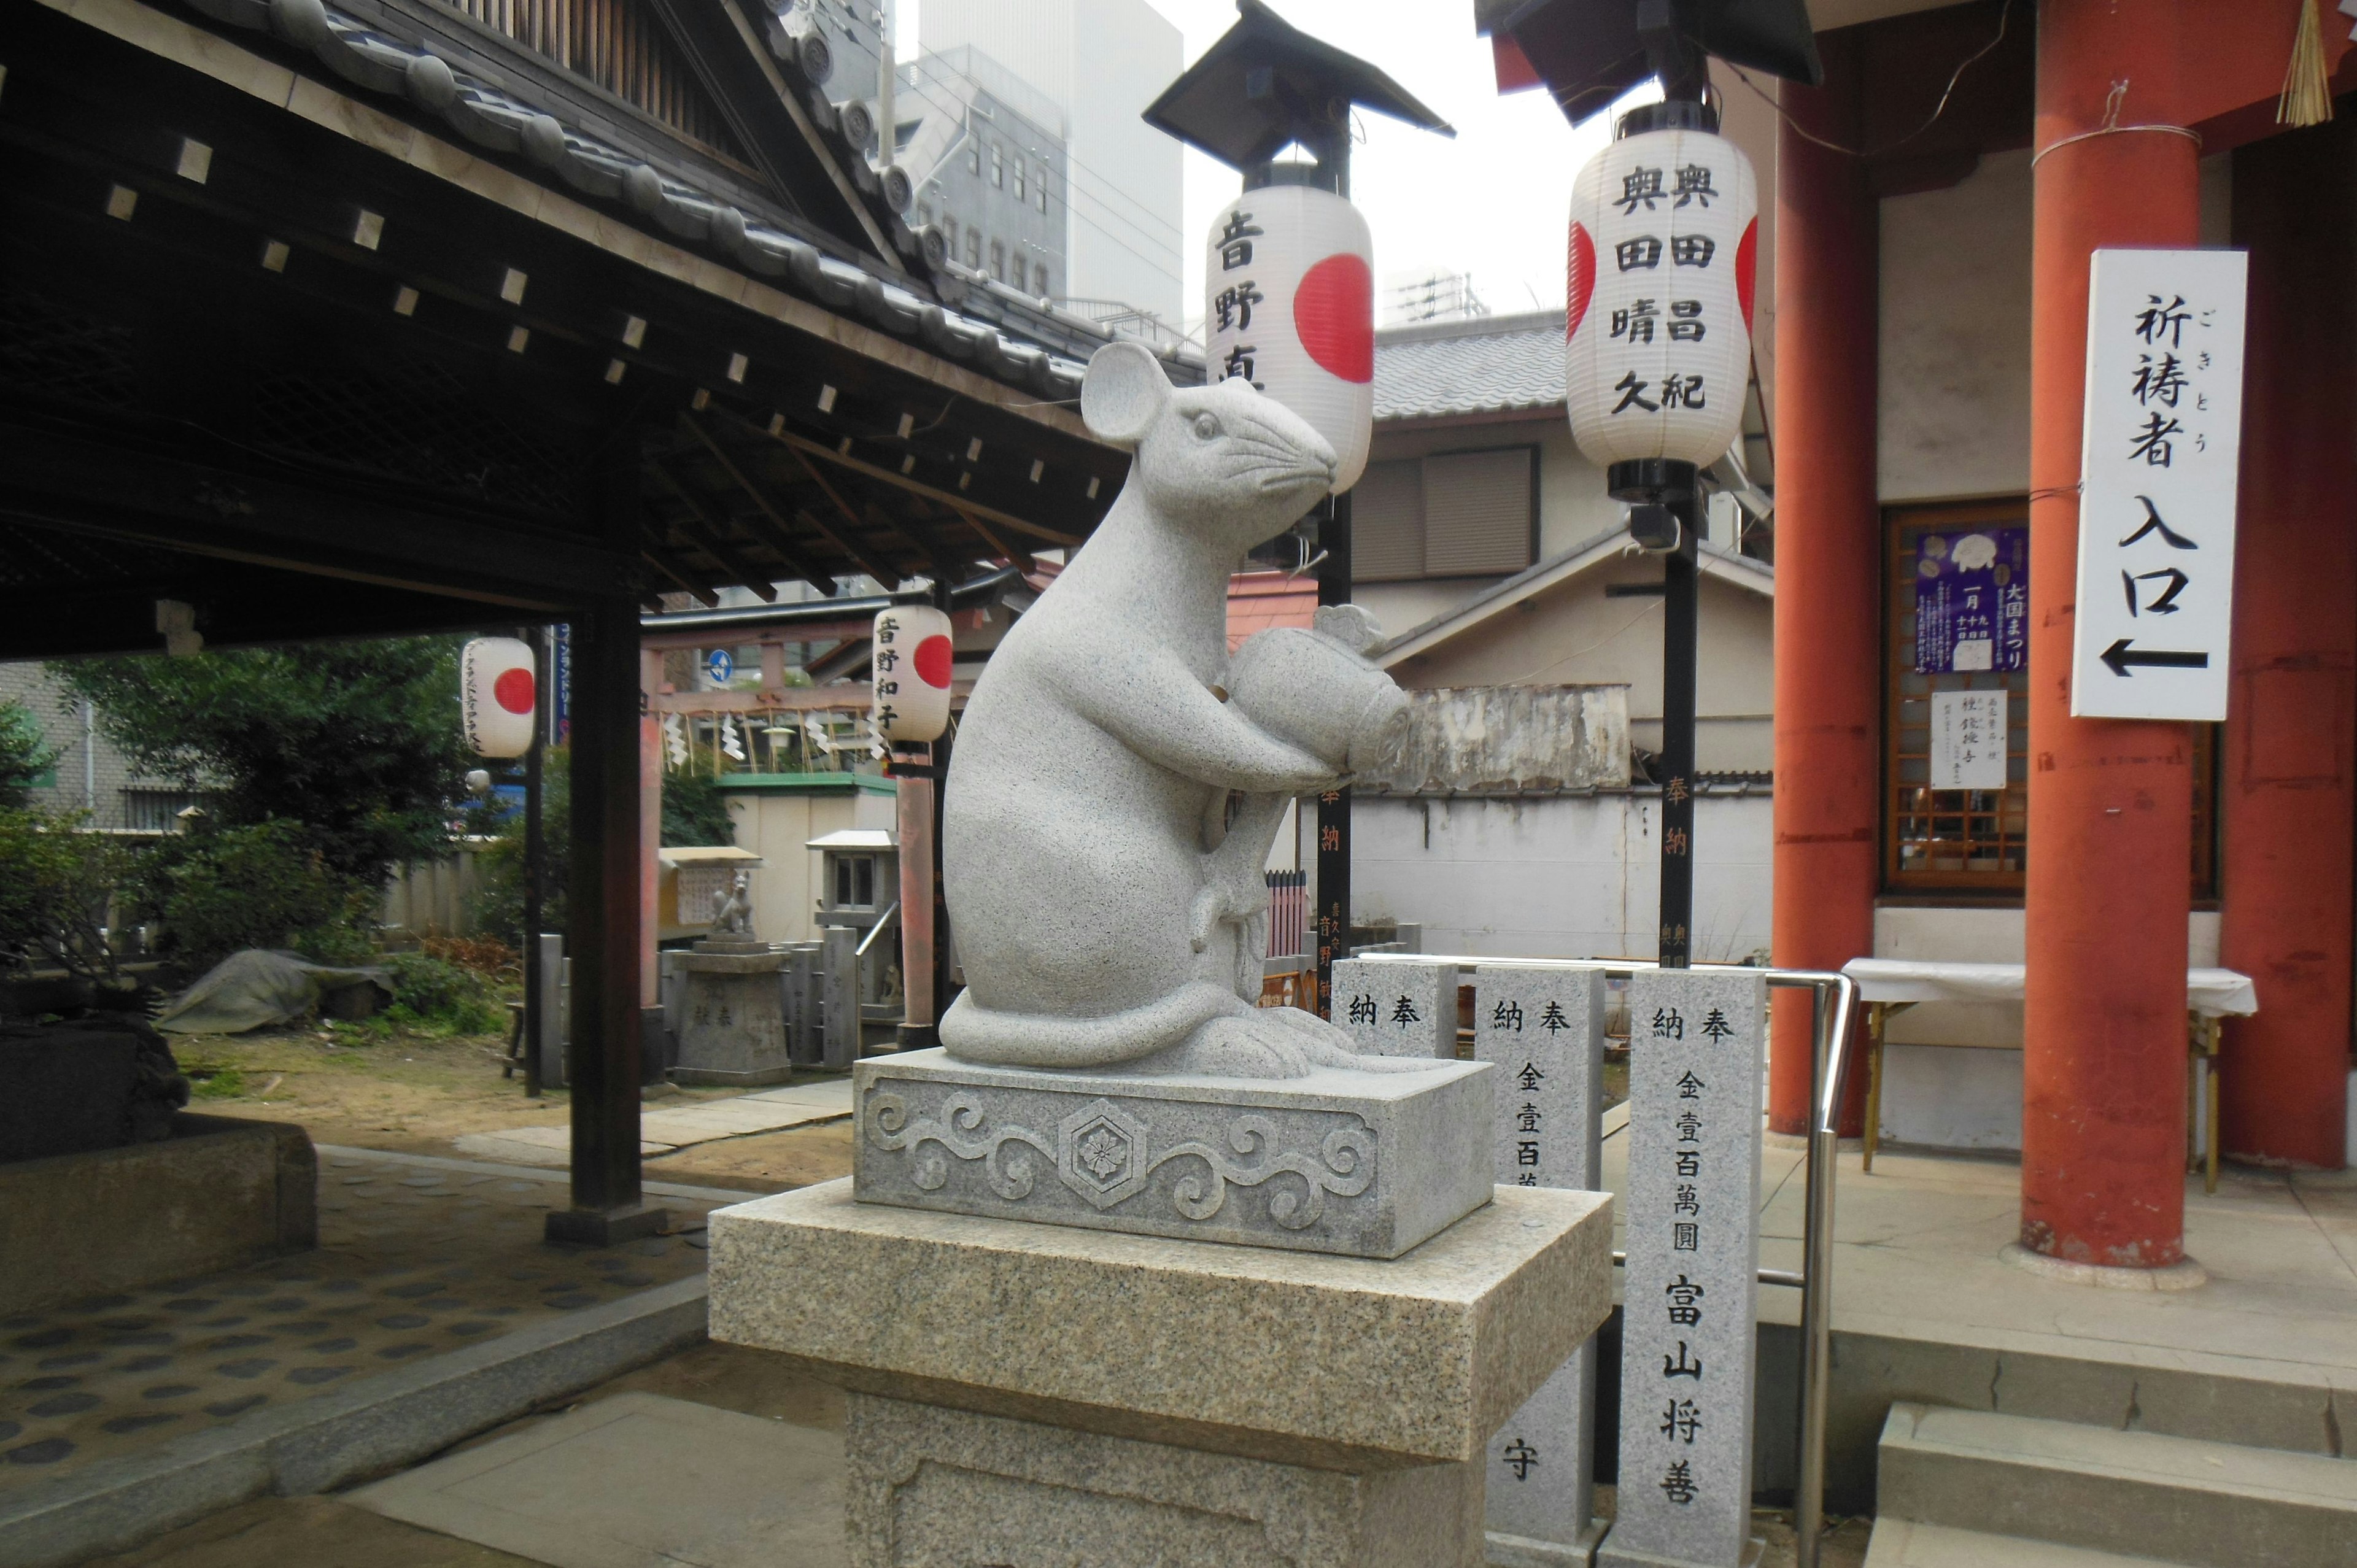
(1544, 1030)
(1687, 1332)
(1398, 1007)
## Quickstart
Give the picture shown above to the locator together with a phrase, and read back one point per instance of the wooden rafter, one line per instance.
(847, 544)
(807, 449)
(705, 529)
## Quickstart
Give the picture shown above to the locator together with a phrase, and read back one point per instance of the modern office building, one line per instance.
(1100, 63)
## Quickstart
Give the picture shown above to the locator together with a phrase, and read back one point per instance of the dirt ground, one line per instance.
(413, 1093)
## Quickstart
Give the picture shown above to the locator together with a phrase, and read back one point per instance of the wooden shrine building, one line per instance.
(397, 315)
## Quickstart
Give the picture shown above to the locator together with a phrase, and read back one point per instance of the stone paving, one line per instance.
(415, 1258)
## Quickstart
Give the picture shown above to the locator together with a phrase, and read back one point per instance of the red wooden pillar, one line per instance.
(2102, 1134)
(2284, 782)
(1829, 560)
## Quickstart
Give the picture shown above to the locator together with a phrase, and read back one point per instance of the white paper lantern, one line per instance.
(495, 695)
(1657, 332)
(1289, 304)
(913, 656)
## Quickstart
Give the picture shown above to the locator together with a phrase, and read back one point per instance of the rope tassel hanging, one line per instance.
(2307, 97)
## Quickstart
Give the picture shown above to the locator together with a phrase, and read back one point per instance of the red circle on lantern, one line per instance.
(1334, 315)
(512, 690)
(1747, 269)
(933, 661)
(1579, 278)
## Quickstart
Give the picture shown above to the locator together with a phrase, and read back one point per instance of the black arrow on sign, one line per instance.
(2123, 653)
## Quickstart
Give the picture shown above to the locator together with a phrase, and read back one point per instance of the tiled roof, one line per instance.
(1259, 600)
(489, 117)
(1490, 365)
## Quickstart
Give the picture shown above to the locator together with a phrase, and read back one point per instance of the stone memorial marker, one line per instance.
(1542, 1029)
(1687, 1335)
(1397, 1007)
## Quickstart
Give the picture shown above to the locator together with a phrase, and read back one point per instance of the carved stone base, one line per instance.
(1363, 1164)
(933, 1487)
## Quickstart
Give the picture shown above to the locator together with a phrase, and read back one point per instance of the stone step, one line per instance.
(1902, 1543)
(2171, 1499)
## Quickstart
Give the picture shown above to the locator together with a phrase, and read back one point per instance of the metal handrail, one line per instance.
(1828, 1086)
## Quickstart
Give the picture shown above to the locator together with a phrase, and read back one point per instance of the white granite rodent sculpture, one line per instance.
(1102, 877)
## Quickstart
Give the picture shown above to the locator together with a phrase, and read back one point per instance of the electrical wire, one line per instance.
(2004, 15)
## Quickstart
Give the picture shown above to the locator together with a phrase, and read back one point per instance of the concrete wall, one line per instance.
(1558, 877)
(777, 826)
(1573, 506)
(1574, 634)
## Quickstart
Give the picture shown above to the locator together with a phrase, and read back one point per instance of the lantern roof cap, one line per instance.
(1266, 85)
(1589, 52)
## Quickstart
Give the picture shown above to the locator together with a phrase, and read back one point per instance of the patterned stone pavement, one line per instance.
(413, 1262)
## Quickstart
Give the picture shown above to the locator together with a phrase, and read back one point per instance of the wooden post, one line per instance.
(2111, 800)
(605, 907)
(1333, 923)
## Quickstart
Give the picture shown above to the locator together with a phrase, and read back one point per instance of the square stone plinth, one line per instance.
(935, 1487)
(1365, 1164)
(732, 1018)
(1346, 1364)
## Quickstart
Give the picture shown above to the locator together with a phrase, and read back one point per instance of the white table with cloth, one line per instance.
(1889, 986)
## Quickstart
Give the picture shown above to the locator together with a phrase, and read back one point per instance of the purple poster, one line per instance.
(1972, 599)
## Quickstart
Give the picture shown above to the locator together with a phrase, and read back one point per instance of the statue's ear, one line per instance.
(1123, 390)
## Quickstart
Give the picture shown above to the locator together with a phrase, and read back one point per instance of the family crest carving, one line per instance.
(1106, 1155)
(1118, 779)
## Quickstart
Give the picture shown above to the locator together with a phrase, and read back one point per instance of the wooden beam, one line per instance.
(706, 529)
(778, 532)
(808, 448)
(672, 566)
(1019, 557)
(760, 498)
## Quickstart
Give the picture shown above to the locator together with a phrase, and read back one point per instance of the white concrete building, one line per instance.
(1101, 62)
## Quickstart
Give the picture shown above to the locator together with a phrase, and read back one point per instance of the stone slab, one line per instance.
(1364, 1165)
(221, 1192)
(1543, 1029)
(632, 1479)
(374, 1426)
(933, 1487)
(1688, 1345)
(1344, 1363)
(1397, 1007)
(832, 1093)
(534, 1145)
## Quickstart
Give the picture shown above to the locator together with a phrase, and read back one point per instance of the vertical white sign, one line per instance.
(1968, 741)
(1543, 1028)
(1687, 1346)
(2157, 472)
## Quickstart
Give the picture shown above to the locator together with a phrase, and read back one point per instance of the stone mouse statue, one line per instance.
(1108, 812)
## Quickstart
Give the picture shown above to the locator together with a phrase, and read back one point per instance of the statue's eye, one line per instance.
(1206, 427)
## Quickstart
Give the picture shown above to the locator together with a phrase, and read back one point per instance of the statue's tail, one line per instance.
(974, 1032)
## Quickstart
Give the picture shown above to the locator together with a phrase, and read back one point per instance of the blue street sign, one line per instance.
(722, 664)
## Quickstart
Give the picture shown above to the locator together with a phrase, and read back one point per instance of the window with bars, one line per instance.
(1945, 632)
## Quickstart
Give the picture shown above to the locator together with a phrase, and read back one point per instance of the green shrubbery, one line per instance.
(219, 890)
(434, 994)
(55, 883)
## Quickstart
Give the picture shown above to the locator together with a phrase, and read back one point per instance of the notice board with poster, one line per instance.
(1972, 600)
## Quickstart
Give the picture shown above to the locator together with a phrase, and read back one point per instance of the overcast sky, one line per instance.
(1492, 203)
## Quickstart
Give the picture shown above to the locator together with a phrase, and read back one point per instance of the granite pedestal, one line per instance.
(1044, 1396)
(1366, 1165)
(732, 1025)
